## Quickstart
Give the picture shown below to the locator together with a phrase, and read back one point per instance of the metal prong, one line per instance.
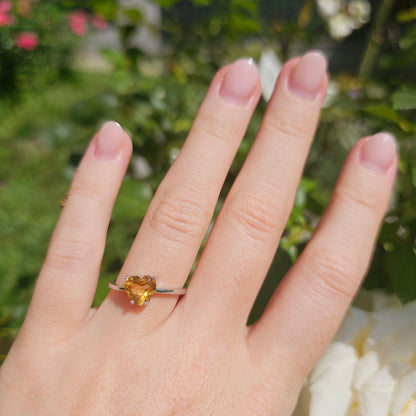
(132, 302)
(126, 278)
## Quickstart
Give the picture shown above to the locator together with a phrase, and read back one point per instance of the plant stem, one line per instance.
(375, 39)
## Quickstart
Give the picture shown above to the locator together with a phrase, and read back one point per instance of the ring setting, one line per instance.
(141, 288)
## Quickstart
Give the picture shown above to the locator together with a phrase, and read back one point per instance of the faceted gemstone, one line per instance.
(140, 288)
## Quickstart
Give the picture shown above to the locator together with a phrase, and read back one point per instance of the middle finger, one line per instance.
(244, 239)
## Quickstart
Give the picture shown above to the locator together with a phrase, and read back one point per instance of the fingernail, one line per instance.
(109, 141)
(378, 152)
(306, 77)
(240, 81)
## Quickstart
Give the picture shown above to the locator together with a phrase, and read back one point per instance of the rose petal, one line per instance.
(353, 328)
(374, 395)
(269, 69)
(365, 367)
(405, 388)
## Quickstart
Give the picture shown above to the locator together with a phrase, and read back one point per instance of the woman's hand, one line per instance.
(195, 355)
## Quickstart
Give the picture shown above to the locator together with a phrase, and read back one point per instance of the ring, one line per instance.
(140, 289)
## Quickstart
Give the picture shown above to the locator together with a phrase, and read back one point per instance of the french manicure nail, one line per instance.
(306, 77)
(109, 141)
(240, 81)
(378, 152)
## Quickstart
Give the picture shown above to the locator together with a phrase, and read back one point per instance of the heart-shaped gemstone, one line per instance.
(140, 288)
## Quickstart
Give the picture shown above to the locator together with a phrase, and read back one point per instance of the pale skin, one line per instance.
(195, 355)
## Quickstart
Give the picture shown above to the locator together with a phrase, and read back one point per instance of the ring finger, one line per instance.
(178, 217)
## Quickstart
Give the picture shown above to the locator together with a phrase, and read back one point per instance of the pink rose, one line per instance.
(99, 22)
(77, 21)
(6, 19)
(27, 40)
(5, 6)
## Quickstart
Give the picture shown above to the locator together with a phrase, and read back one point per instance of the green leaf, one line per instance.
(116, 58)
(377, 277)
(105, 8)
(166, 3)
(386, 113)
(306, 13)
(409, 38)
(413, 175)
(407, 15)
(400, 264)
(404, 99)
(135, 16)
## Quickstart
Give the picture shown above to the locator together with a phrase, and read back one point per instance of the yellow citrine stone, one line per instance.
(140, 288)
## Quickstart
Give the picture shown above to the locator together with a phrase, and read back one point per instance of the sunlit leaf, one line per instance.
(406, 15)
(384, 112)
(404, 99)
(105, 8)
(306, 13)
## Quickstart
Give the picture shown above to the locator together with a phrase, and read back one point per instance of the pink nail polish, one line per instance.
(306, 77)
(378, 152)
(109, 140)
(240, 81)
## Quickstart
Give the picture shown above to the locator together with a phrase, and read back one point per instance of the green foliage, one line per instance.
(401, 266)
(45, 61)
(404, 99)
(37, 139)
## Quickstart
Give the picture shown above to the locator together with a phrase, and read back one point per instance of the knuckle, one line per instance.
(69, 255)
(178, 217)
(363, 196)
(236, 284)
(332, 275)
(289, 126)
(258, 217)
(215, 128)
(89, 190)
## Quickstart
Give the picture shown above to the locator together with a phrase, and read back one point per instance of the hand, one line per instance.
(194, 355)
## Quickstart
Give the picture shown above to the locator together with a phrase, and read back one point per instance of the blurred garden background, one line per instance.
(67, 66)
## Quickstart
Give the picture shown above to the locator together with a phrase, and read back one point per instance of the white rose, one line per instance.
(269, 68)
(332, 93)
(328, 8)
(370, 367)
(340, 26)
(360, 11)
